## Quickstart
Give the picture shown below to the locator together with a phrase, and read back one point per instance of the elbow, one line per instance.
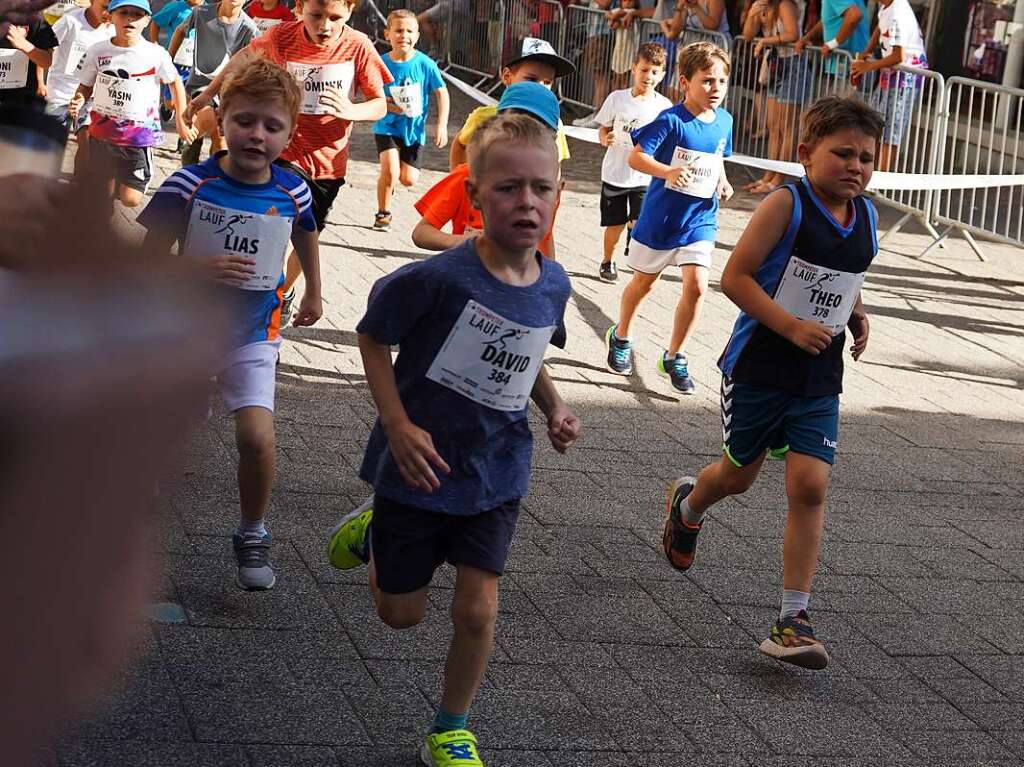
(727, 285)
(421, 236)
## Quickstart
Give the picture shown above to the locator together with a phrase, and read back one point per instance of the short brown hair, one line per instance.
(697, 56)
(262, 79)
(508, 128)
(353, 3)
(652, 53)
(831, 114)
(401, 13)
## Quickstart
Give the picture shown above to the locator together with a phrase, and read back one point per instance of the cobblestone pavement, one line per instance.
(605, 656)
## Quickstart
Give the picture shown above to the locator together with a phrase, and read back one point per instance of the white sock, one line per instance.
(793, 602)
(691, 517)
(251, 527)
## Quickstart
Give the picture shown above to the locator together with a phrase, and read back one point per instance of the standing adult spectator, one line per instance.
(596, 57)
(696, 15)
(844, 26)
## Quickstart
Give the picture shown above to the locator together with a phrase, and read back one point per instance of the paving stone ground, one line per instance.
(605, 656)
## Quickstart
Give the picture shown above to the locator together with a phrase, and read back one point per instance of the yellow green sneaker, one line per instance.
(348, 546)
(455, 748)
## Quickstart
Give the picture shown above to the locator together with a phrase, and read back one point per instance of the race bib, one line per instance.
(13, 69)
(264, 24)
(491, 360)
(217, 231)
(75, 56)
(621, 130)
(186, 55)
(131, 98)
(409, 98)
(811, 292)
(314, 79)
(707, 169)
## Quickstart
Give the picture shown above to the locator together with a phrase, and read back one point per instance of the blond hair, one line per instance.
(697, 56)
(831, 114)
(507, 128)
(261, 80)
(401, 13)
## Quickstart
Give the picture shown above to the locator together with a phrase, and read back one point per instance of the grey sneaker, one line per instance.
(286, 307)
(255, 573)
(620, 353)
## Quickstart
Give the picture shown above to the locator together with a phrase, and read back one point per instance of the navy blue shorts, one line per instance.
(755, 420)
(409, 544)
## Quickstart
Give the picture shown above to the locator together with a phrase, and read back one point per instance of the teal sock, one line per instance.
(446, 722)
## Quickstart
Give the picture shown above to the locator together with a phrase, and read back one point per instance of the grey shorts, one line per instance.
(60, 111)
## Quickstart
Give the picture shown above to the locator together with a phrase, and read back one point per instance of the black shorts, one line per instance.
(130, 166)
(620, 205)
(407, 154)
(409, 544)
(323, 191)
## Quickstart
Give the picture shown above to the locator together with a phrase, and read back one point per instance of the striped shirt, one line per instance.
(320, 143)
(257, 312)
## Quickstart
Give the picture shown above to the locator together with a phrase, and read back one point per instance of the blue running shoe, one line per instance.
(620, 353)
(678, 373)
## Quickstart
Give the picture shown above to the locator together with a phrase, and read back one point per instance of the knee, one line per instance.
(643, 283)
(806, 493)
(255, 443)
(695, 290)
(737, 483)
(475, 617)
(408, 177)
(400, 616)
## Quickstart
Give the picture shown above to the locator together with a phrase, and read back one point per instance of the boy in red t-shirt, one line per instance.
(331, 61)
(269, 13)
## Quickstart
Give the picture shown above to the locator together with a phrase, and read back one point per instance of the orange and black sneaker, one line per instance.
(679, 538)
(793, 641)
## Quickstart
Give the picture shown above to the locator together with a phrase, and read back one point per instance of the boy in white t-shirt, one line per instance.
(123, 76)
(76, 32)
(902, 43)
(622, 188)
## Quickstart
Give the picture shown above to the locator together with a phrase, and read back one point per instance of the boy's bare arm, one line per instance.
(205, 97)
(177, 38)
(457, 155)
(412, 447)
(182, 120)
(859, 328)
(308, 251)
(766, 228)
(643, 162)
(81, 96)
(344, 108)
(563, 425)
(605, 135)
(444, 103)
(427, 236)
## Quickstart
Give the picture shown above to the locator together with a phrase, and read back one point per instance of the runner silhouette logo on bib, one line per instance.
(315, 79)
(122, 97)
(811, 292)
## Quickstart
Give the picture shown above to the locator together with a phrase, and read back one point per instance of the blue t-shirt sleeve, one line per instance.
(397, 303)
(434, 78)
(168, 208)
(653, 135)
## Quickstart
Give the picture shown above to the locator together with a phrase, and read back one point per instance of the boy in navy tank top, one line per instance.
(796, 276)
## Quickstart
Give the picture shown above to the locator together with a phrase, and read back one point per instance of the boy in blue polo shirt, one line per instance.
(236, 214)
(449, 456)
(682, 149)
(402, 131)
(796, 275)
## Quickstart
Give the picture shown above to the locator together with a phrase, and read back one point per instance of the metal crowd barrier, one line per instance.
(587, 40)
(475, 41)
(981, 135)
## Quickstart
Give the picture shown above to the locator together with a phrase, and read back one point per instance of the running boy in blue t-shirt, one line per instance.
(682, 149)
(449, 456)
(236, 214)
(402, 131)
(796, 275)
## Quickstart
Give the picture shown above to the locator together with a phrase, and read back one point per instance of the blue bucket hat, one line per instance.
(142, 5)
(533, 98)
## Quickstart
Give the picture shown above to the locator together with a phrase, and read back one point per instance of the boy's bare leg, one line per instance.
(688, 308)
(474, 612)
(806, 487)
(399, 611)
(611, 239)
(254, 435)
(634, 294)
(389, 170)
(721, 479)
(408, 175)
(82, 152)
(130, 198)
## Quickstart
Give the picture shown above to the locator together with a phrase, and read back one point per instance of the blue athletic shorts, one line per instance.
(409, 544)
(755, 420)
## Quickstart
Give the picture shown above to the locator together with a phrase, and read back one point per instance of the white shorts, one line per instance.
(246, 378)
(651, 261)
